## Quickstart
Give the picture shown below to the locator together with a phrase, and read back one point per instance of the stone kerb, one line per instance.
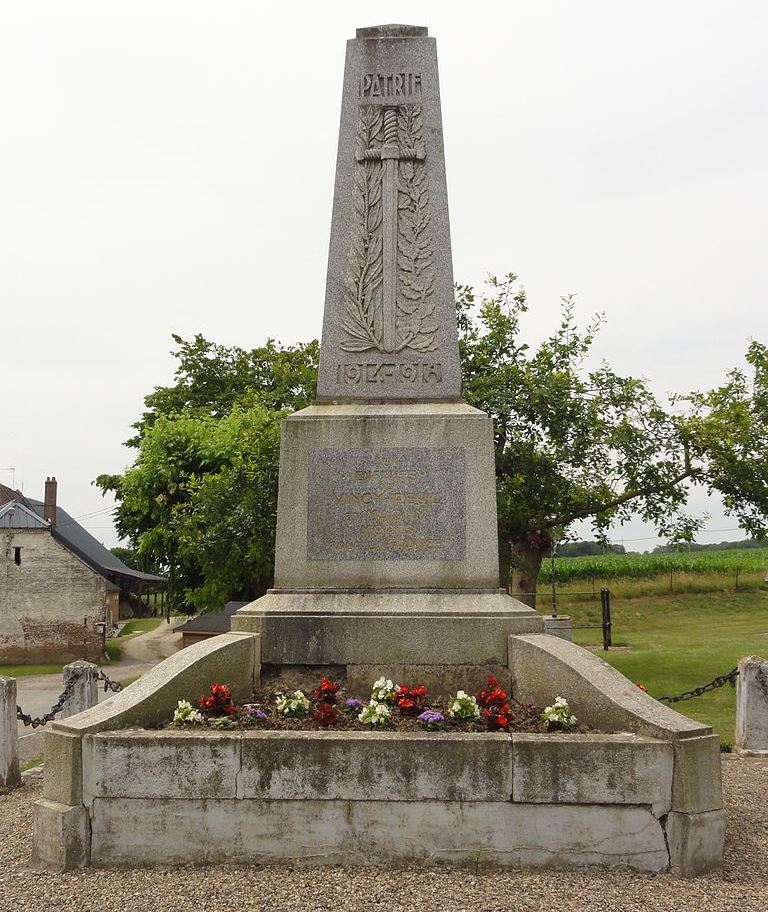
(9, 742)
(752, 706)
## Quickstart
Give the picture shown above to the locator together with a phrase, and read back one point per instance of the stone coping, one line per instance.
(232, 658)
(545, 666)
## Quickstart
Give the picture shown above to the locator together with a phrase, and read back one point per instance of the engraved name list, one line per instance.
(397, 503)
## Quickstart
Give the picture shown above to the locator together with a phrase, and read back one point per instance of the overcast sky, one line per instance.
(168, 167)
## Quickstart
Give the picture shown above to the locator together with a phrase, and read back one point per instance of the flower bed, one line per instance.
(389, 706)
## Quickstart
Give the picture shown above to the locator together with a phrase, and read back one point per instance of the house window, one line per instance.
(17, 556)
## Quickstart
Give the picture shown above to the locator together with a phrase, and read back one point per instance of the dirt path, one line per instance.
(37, 693)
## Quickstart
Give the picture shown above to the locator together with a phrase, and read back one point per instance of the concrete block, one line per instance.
(9, 741)
(544, 666)
(85, 693)
(63, 776)
(138, 832)
(230, 658)
(592, 769)
(561, 626)
(163, 764)
(752, 706)
(61, 836)
(696, 841)
(697, 782)
(376, 766)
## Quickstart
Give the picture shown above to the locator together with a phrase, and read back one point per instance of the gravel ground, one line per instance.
(742, 883)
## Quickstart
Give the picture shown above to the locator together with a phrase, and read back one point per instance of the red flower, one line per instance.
(218, 702)
(326, 692)
(502, 721)
(410, 700)
(642, 687)
(325, 714)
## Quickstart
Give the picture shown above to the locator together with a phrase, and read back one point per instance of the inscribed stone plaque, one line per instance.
(389, 330)
(396, 503)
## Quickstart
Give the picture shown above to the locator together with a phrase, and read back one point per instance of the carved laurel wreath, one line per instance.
(415, 305)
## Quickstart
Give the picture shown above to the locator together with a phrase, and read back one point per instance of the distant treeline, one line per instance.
(584, 549)
(720, 546)
(593, 548)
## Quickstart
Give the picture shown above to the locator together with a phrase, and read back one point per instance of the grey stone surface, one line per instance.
(460, 520)
(696, 842)
(544, 667)
(230, 658)
(136, 832)
(394, 503)
(63, 777)
(697, 784)
(9, 740)
(389, 330)
(390, 628)
(561, 626)
(85, 693)
(592, 769)
(752, 706)
(62, 836)
(177, 764)
(372, 766)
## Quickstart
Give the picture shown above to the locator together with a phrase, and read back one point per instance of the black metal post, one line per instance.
(605, 604)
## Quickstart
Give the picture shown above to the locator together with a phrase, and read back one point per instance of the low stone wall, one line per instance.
(366, 798)
(646, 795)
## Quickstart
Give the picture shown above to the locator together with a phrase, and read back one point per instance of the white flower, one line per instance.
(296, 704)
(186, 713)
(463, 707)
(559, 715)
(383, 690)
(375, 714)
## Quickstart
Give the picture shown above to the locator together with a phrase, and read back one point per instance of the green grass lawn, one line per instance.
(22, 671)
(140, 625)
(680, 641)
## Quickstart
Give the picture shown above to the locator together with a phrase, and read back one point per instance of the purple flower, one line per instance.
(431, 717)
(354, 705)
(256, 713)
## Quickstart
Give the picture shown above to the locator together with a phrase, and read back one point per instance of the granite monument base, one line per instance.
(387, 495)
(448, 640)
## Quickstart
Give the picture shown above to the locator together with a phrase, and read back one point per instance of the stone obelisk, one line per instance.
(386, 551)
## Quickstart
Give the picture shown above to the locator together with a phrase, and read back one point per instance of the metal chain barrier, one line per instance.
(52, 712)
(114, 686)
(719, 681)
(27, 719)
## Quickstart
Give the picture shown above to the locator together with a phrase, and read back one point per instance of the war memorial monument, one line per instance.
(386, 564)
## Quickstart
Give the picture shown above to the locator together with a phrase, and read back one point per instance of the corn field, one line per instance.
(647, 566)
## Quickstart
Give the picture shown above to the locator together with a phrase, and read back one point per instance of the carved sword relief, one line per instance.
(389, 301)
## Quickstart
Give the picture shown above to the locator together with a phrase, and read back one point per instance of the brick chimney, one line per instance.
(49, 505)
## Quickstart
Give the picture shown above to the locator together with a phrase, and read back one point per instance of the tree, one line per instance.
(571, 443)
(575, 443)
(199, 501)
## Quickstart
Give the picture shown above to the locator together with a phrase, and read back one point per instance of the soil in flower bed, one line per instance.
(523, 717)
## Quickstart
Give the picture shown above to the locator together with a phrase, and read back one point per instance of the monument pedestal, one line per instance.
(446, 639)
(387, 549)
